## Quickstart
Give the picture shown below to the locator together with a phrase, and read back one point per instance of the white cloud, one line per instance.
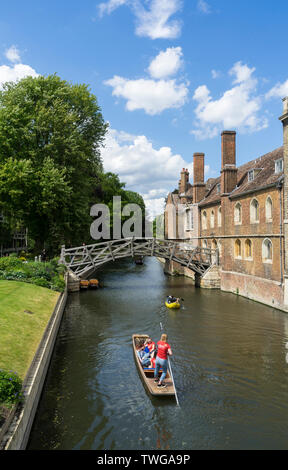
(215, 73)
(153, 22)
(166, 63)
(280, 90)
(110, 6)
(15, 73)
(151, 95)
(149, 171)
(237, 108)
(203, 7)
(12, 54)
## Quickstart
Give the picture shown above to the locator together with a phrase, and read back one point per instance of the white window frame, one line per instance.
(265, 259)
(279, 165)
(253, 220)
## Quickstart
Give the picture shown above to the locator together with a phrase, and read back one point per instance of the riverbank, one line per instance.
(25, 311)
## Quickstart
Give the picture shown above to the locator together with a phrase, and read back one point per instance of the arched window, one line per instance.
(248, 249)
(268, 209)
(267, 251)
(254, 211)
(219, 217)
(237, 213)
(237, 249)
(204, 244)
(212, 219)
(204, 220)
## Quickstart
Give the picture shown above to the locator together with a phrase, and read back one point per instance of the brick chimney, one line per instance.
(184, 180)
(228, 164)
(198, 177)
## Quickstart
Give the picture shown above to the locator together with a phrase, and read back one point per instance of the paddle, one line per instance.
(161, 328)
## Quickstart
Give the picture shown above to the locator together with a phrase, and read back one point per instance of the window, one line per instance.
(212, 219)
(189, 219)
(254, 211)
(267, 251)
(204, 220)
(218, 188)
(251, 175)
(248, 249)
(204, 244)
(237, 249)
(268, 209)
(237, 213)
(279, 165)
(219, 217)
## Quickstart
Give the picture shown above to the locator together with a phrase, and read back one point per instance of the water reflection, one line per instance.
(228, 367)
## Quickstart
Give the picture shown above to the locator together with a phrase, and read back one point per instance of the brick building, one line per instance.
(243, 213)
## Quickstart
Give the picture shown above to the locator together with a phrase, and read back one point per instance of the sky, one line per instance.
(169, 76)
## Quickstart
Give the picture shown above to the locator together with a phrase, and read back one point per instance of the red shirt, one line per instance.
(163, 349)
(151, 346)
(153, 361)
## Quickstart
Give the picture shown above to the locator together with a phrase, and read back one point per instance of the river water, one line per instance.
(229, 366)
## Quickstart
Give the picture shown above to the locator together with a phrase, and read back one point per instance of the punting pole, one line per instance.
(177, 401)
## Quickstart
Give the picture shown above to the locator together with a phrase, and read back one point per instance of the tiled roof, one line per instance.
(263, 177)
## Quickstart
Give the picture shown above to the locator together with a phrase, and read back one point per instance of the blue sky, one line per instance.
(169, 76)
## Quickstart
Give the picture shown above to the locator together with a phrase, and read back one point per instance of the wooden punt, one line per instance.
(94, 283)
(147, 375)
(84, 284)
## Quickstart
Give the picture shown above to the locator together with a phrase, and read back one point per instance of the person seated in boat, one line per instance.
(171, 299)
(163, 351)
(143, 355)
(150, 345)
(153, 360)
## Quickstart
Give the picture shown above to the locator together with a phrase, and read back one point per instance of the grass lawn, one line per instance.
(20, 331)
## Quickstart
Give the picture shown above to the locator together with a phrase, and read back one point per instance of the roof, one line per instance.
(264, 176)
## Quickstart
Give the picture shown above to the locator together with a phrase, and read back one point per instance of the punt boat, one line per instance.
(147, 374)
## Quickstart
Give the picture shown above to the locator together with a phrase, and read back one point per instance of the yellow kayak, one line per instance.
(172, 305)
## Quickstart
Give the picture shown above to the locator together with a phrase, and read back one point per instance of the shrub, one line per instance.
(10, 387)
(9, 263)
(58, 284)
(40, 281)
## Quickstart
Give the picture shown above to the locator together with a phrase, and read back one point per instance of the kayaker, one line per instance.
(163, 350)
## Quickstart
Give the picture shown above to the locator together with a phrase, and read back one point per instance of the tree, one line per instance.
(51, 133)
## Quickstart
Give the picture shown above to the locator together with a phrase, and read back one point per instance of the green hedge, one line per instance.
(10, 388)
(49, 274)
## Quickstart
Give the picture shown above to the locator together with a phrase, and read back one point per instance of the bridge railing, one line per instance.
(84, 258)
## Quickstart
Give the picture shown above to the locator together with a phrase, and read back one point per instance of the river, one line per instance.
(229, 366)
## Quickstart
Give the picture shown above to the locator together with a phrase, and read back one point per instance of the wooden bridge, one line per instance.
(84, 260)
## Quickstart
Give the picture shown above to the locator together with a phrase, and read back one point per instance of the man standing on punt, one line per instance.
(163, 350)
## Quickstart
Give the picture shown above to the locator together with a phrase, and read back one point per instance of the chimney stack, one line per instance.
(198, 177)
(228, 163)
(184, 180)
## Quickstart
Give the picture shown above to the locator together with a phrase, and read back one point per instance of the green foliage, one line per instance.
(48, 274)
(50, 137)
(10, 387)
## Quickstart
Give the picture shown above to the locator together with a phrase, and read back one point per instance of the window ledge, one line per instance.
(268, 261)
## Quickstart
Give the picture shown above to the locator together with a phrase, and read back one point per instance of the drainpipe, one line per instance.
(279, 187)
